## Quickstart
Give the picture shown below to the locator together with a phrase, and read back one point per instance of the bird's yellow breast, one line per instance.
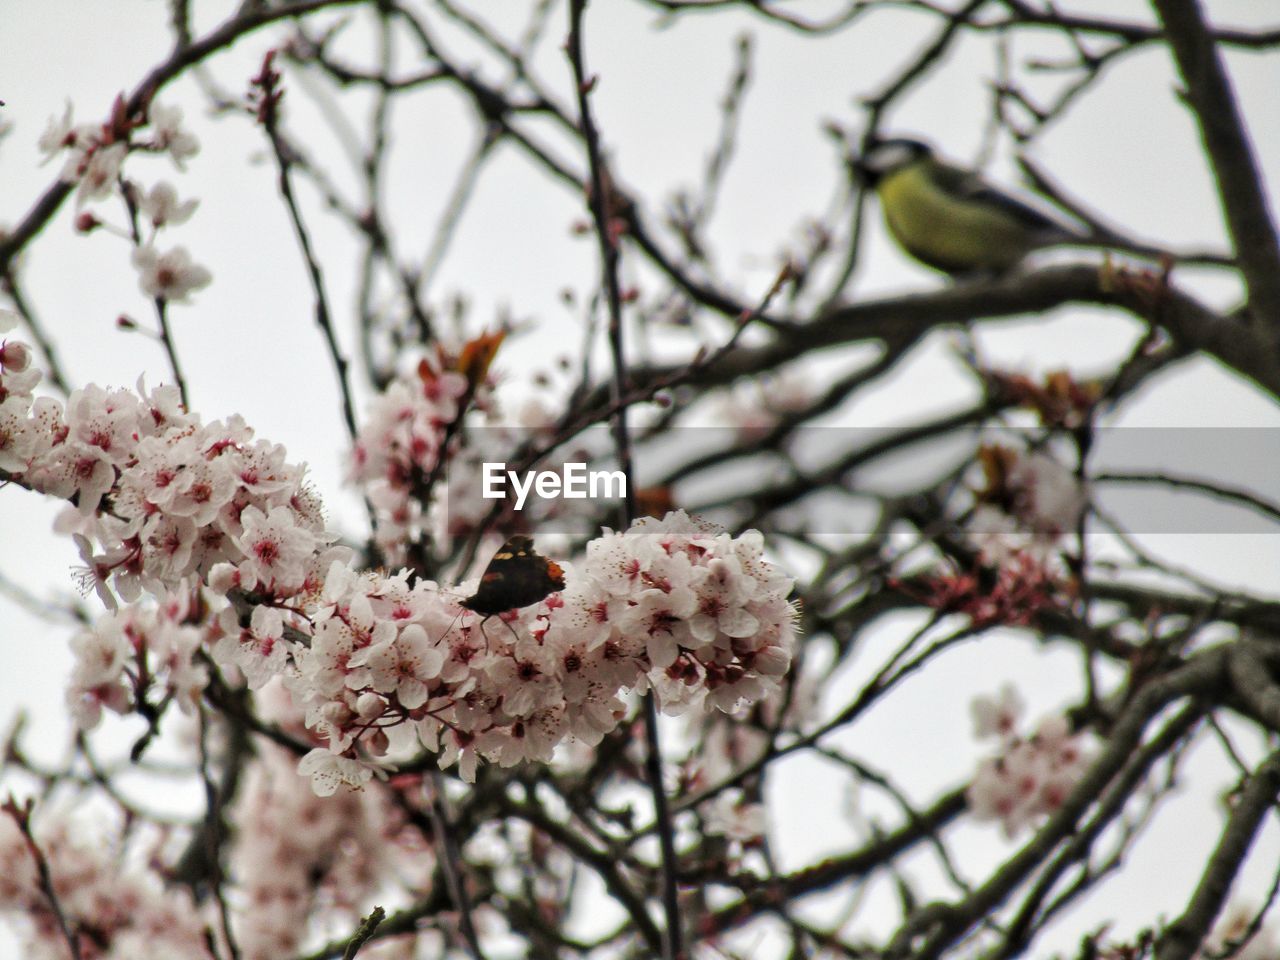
(946, 231)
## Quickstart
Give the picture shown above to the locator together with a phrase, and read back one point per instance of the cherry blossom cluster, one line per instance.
(159, 496)
(141, 654)
(673, 604)
(113, 910)
(399, 449)
(705, 611)
(400, 445)
(1032, 775)
(161, 503)
(756, 407)
(1029, 502)
(204, 518)
(1025, 508)
(297, 854)
(1022, 588)
(94, 158)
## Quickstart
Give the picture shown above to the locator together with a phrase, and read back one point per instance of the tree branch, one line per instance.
(1227, 142)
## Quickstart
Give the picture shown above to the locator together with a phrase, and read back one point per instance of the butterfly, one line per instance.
(517, 576)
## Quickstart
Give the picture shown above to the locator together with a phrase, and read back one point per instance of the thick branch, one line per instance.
(1183, 937)
(1227, 142)
(944, 924)
(896, 319)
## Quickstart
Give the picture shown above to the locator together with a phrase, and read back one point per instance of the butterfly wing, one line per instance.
(517, 576)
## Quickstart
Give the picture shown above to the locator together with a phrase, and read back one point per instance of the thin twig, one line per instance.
(367, 926)
(268, 80)
(161, 304)
(601, 197)
(450, 858)
(21, 815)
(1183, 937)
(170, 350)
(247, 19)
(214, 832)
(53, 372)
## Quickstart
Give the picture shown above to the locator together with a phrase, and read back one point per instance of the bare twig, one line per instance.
(1183, 937)
(450, 858)
(367, 926)
(602, 200)
(1235, 168)
(268, 83)
(21, 814)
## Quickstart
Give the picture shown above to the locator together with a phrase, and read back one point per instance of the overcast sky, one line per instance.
(1129, 150)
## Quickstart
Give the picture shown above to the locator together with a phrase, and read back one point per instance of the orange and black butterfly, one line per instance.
(517, 576)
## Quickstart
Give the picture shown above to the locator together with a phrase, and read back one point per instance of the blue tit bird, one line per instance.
(950, 218)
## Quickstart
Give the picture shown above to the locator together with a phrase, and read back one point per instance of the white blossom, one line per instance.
(171, 275)
(169, 136)
(161, 206)
(99, 173)
(328, 772)
(1031, 776)
(57, 134)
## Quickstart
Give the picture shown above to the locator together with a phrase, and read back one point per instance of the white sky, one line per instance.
(249, 343)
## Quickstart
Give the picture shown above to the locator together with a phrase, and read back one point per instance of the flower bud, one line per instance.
(15, 357)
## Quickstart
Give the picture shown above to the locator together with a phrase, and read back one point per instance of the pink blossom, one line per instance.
(260, 651)
(58, 135)
(329, 772)
(722, 590)
(15, 356)
(202, 489)
(526, 675)
(162, 207)
(275, 548)
(17, 434)
(169, 136)
(171, 275)
(729, 815)
(98, 171)
(260, 468)
(76, 470)
(531, 737)
(97, 680)
(403, 665)
(1032, 776)
(662, 619)
(1050, 497)
(997, 716)
(167, 542)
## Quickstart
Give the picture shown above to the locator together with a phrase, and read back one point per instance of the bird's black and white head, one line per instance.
(883, 157)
